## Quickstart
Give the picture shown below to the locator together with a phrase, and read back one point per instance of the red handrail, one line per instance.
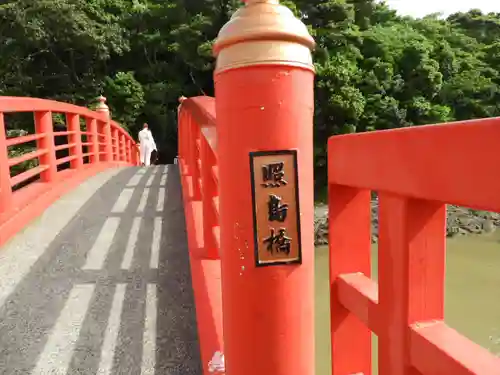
(415, 172)
(105, 141)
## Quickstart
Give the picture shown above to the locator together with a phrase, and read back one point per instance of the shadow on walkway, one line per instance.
(110, 291)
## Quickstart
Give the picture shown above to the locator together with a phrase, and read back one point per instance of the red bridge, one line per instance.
(208, 266)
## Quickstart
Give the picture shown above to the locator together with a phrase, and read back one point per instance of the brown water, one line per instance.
(472, 303)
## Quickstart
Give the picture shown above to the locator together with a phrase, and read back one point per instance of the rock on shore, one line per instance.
(459, 221)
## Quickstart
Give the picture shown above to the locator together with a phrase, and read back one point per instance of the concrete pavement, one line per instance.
(100, 283)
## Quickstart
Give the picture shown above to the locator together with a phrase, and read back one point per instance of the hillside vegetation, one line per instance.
(375, 69)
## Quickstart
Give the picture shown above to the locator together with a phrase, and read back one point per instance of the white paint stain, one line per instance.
(217, 363)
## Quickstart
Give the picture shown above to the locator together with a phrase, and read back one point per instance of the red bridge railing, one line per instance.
(199, 174)
(413, 181)
(414, 171)
(90, 141)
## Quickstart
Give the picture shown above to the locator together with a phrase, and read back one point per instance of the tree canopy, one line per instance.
(375, 69)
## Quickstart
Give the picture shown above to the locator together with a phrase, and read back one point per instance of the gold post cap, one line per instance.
(263, 32)
(102, 106)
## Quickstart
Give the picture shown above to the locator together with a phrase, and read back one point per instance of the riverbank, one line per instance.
(460, 221)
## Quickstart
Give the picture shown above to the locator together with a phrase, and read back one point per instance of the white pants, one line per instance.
(146, 151)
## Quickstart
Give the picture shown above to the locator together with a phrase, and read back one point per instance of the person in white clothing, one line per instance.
(147, 145)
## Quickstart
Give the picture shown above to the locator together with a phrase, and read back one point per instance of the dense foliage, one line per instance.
(375, 69)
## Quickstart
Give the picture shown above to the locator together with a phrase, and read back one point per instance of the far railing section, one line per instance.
(415, 172)
(88, 137)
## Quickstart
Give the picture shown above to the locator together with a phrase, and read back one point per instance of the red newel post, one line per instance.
(264, 96)
(104, 109)
(5, 188)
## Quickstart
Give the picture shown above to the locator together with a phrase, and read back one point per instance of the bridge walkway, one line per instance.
(100, 283)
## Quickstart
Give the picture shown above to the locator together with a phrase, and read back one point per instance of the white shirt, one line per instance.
(146, 138)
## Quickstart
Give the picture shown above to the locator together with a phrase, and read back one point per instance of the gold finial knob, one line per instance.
(102, 106)
(263, 32)
(102, 103)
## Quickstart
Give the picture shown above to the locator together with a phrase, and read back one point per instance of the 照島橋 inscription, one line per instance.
(276, 214)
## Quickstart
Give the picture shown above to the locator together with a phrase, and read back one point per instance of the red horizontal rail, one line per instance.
(26, 157)
(65, 159)
(64, 147)
(16, 180)
(63, 133)
(415, 174)
(23, 139)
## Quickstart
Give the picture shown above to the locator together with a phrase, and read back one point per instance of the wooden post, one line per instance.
(195, 158)
(94, 140)
(104, 109)
(128, 148)
(350, 244)
(188, 144)
(75, 138)
(137, 156)
(121, 145)
(123, 148)
(5, 188)
(411, 263)
(43, 125)
(115, 144)
(264, 102)
(182, 137)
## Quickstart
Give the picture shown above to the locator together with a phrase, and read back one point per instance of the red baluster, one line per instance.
(43, 126)
(94, 140)
(208, 195)
(75, 139)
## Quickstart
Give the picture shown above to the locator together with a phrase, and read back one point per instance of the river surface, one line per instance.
(472, 304)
